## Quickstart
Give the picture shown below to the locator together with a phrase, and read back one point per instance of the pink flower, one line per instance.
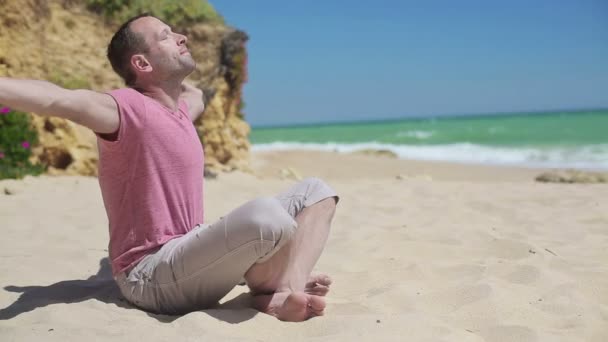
(5, 110)
(25, 144)
(1, 155)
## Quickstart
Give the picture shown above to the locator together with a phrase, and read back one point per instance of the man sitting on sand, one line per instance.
(164, 258)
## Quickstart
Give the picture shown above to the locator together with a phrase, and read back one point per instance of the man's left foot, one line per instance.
(318, 284)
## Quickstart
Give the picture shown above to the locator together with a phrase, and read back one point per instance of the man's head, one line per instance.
(145, 49)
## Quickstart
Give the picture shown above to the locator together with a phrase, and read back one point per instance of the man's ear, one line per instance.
(140, 63)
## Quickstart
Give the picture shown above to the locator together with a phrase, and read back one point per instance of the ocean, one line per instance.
(546, 140)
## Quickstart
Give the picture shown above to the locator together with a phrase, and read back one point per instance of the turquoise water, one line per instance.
(558, 139)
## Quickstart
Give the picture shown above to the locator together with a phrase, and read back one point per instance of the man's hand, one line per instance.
(91, 109)
(194, 98)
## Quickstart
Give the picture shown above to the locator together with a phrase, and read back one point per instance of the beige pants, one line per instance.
(196, 270)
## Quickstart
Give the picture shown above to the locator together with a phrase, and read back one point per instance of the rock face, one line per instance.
(62, 42)
(221, 73)
(572, 176)
(378, 153)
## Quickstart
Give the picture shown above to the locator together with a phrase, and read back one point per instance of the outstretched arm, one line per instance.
(91, 109)
(194, 98)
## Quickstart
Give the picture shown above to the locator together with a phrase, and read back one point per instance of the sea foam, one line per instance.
(582, 157)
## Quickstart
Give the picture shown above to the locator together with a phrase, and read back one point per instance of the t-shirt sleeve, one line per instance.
(131, 112)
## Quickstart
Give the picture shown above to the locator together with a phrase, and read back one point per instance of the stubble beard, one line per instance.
(180, 68)
(188, 63)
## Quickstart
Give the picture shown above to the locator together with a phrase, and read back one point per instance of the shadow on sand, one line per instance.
(101, 286)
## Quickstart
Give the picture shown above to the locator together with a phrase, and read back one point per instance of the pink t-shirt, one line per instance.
(151, 177)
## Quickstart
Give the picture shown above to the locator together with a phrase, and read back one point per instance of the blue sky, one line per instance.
(326, 61)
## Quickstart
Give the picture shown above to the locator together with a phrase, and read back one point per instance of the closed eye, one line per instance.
(164, 34)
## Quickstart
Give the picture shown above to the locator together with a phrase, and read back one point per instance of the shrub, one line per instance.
(108, 8)
(174, 12)
(16, 139)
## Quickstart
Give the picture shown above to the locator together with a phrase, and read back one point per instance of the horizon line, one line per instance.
(433, 116)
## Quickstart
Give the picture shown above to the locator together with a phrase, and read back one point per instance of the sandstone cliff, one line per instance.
(61, 41)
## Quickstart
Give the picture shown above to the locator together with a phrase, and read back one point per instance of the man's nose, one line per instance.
(181, 39)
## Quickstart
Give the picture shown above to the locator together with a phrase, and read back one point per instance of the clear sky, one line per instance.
(330, 60)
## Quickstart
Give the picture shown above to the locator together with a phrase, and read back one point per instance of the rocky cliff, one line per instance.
(63, 42)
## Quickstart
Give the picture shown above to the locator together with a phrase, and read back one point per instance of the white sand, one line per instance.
(446, 253)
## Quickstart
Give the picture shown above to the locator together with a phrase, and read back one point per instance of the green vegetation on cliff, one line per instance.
(16, 139)
(174, 12)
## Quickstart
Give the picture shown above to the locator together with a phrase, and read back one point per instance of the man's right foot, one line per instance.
(290, 306)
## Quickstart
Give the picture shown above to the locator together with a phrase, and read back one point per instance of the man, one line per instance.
(164, 259)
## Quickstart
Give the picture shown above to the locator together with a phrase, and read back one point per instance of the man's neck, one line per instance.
(166, 94)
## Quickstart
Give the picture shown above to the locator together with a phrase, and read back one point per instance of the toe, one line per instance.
(320, 279)
(316, 303)
(317, 290)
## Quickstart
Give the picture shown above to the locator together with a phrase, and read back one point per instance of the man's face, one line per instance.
(167, 52)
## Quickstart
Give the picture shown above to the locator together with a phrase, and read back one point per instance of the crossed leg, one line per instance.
(274, 242)
(283, 285)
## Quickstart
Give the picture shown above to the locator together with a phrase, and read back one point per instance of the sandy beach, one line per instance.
(419, 251)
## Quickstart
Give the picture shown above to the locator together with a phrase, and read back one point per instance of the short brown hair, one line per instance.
(124, 44)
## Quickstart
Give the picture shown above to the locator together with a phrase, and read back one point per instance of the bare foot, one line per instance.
(290, 306)
(318, 284)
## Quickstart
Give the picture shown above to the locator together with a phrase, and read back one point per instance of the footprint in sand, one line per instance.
(377, 291)
(509, 249)
(523, 274)
(509, 333)
(460, 272)
(563, 300)
(455, 298)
